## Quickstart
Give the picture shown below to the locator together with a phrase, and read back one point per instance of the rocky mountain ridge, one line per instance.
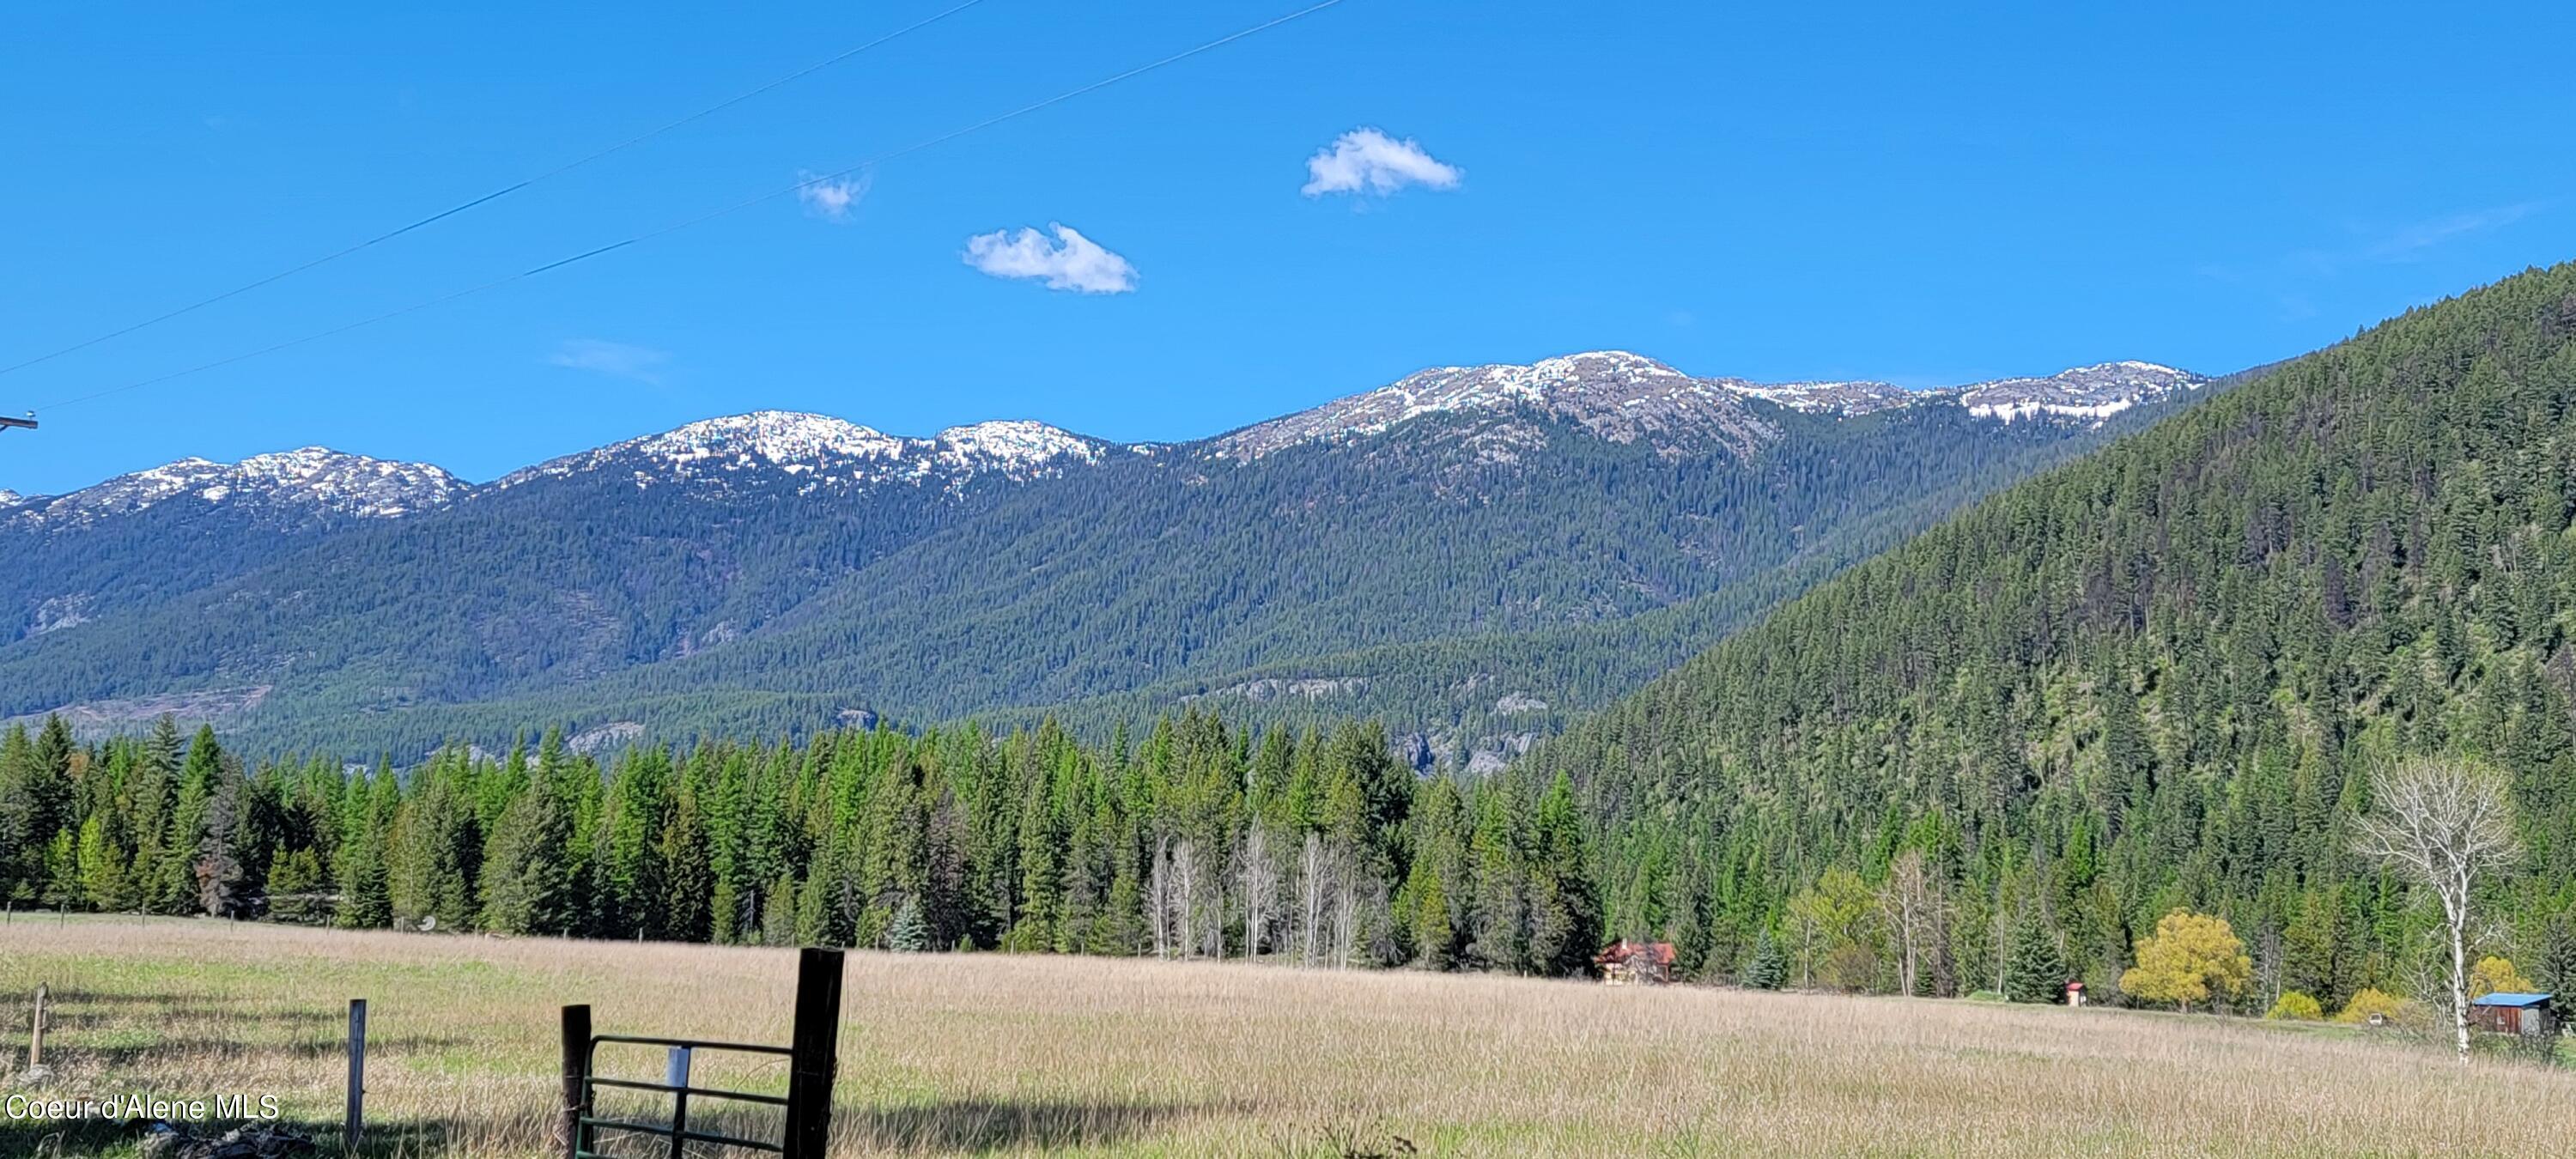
(314, 480)
(1616, 395)
(1476, 555)
(822, 450)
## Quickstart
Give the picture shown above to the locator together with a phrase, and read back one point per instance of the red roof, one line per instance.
(1659, 953)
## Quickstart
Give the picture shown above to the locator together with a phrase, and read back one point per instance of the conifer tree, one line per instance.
(184, 842)
(2034, 967)
(1437, 887)
(102, 866)
(528, 883)
(1769, 969)
(220, 876)
(1499, 924)
(908, 933)
(1564, 910)
(686, 914)
(21, 844)
(366, 880)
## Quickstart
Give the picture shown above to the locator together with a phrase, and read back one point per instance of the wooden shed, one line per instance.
(2513, 1013)
(1630, 963)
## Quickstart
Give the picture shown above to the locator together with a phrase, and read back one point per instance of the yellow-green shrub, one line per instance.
(2293, 1006)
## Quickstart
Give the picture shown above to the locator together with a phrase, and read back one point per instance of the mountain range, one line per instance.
(1475, 553)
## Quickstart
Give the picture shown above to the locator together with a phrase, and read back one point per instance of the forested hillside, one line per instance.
(2154, 678)
(1344, 566)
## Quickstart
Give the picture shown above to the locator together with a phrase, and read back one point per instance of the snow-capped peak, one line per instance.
(307, 479)
(1846, 398)
(1012, 446)
(9, 498)
(779, 437)
(2093, 392)
(819, 450)
(790, 440)
(1616, 394)
(2081, 393)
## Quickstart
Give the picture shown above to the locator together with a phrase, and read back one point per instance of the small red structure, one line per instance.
(2075, 993)
(1630, 963)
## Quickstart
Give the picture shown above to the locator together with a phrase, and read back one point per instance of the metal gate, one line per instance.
(812, 1058)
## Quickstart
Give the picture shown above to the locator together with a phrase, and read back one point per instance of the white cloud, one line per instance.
(2409, 242)
(1366, 159)
(614, 359)
(830, 198)
(1071, 262)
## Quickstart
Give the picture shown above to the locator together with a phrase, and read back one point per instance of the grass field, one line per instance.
(979, 1054)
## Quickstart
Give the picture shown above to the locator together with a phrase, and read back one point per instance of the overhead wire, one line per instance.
(711, 215)
(494, 195)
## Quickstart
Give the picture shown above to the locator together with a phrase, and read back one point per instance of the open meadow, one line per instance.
(1000, 1054)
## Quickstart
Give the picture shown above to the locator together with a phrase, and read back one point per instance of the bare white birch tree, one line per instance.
(1158, 897)
(1260, 881)
(1310, 873)
(2443, 823)
(1916, 912)
(1185, 898)
(1346, 907)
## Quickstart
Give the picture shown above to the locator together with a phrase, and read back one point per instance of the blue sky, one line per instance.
(1785, 192)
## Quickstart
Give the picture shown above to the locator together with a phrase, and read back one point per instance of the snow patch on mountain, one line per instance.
(308, 480)
(821, 451)
(2084, 393)
(1016, 447)
(1617, 395)
(1614, 394)
(732, 443)
(1846, 399)
(1625, 397)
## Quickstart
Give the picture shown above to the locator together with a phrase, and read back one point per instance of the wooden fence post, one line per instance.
(355, 1124)
(816, 1061)
(576, 1084)
(36, 1039)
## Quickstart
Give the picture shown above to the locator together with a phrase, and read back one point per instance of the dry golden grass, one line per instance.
(992, 1054)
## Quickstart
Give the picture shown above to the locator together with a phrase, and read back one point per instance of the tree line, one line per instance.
(1200, 840)
(1193, 840)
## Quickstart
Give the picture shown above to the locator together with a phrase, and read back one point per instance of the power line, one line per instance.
(496, 194)
(735, 207)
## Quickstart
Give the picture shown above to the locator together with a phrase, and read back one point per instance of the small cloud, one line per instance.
(1070, 262)
(2369, 246)
(831, 198)
(2410, 241)
(1366, 159)
(614, 359)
